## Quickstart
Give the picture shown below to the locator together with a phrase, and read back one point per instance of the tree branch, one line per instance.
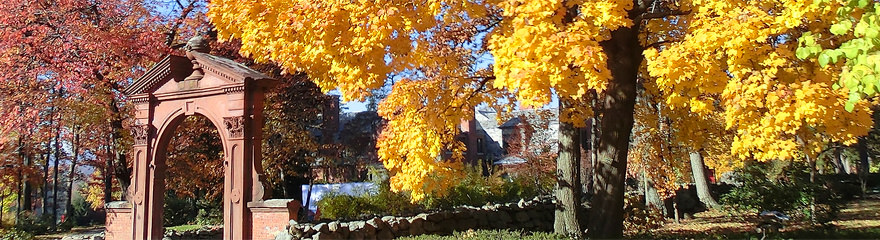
(660, 15)
(657, 44)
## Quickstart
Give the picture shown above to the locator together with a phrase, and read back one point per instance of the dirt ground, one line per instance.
(858, 219)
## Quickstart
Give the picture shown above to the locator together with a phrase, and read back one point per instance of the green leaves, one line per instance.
(857, 34)
(841, 28)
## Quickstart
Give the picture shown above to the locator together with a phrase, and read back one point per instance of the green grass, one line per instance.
(489, 234)
(184, 227)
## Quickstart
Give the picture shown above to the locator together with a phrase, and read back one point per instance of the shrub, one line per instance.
(787, 189)
(36, 225)
(344, 207)
(178, 211)
(15, 234)
(82, 213)
(473, 190)
(477, 190)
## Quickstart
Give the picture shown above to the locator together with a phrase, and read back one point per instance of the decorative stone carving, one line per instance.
(140, 133)
(235, 126)
(261, 189)
(195, 44)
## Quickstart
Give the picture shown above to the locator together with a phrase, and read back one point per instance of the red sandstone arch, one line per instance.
(230, 95)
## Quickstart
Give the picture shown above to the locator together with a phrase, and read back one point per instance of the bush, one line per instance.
(15, 234)
(477, 190)
(34, 224)
(178, 211)
(343, 207)
(82, 214)
(787, 189)
(473, 190)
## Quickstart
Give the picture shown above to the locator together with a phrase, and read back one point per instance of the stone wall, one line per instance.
(530, 215)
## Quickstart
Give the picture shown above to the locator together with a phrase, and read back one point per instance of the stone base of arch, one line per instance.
(268, 218)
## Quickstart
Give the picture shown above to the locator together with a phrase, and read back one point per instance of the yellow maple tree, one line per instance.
(730, 61)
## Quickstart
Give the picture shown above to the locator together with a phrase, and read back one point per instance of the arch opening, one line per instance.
(194, 172)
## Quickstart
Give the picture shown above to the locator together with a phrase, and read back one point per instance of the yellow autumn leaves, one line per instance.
(741, 55)
(727, 66)
(540, 47)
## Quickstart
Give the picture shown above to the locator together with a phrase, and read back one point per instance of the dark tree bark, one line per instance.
(27, 189)
(864, 165)
(624, 57)
(702, 184)
(108, 171)
(568, 185)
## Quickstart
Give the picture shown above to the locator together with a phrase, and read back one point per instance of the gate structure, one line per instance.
(231, 96)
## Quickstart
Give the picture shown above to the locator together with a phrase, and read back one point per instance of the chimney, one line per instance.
(330, 119)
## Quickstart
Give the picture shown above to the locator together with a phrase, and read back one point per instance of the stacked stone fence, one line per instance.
(530, 215)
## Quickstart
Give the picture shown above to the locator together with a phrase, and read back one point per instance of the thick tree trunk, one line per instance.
(702, 184)
(568, 185)
(624, 57)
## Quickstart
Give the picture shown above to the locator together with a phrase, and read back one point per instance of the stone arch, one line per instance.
(231, 96)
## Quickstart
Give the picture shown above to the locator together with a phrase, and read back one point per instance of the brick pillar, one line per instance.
(271, 216)
(118, 224)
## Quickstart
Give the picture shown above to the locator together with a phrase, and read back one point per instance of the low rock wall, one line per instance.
(530, 215)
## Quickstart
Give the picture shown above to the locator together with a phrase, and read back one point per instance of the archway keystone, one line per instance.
(231, 96)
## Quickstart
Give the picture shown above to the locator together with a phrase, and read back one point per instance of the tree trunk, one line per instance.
(20, 183)
(841, 164)
(45, 187)
(568, 185)
(27, 191)
(652, 197)
(845, 164)
(119, 166)
(624, 57)
(108, 172)
(702, 184)
(864, 165)
(72, 176)
(55, 175)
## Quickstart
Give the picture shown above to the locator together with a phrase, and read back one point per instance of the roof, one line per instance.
(239, 71)
(511, 123)
(178, 67)
(169, 66)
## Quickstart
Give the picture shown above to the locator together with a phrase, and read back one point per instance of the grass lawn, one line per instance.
(860, 219)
